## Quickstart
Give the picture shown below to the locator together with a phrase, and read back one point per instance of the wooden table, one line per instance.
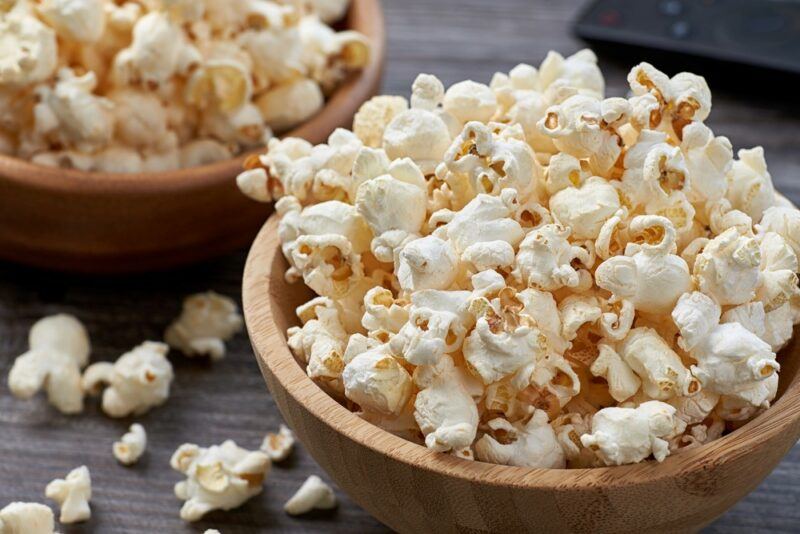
(454, 39)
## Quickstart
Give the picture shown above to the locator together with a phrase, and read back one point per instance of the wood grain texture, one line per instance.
(413, 489)
(450, 38)
(102, 222)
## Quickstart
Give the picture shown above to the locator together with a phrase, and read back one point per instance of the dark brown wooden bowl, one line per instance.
(115, 223)
(413, 489)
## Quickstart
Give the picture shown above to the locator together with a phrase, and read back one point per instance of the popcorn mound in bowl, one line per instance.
(529, 274)
(157, 85)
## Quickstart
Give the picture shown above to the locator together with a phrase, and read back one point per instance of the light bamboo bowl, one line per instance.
(412, 489)
(103, 222)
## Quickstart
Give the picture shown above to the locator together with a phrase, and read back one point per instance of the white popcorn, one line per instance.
(138, 381)
(546, 259)
(585, 209)
(314, 494)
(649, 275)
(750, 184)
(28, 50)
(289, 104)
(531, 274)
(470, 101)
(131, 446)
(330, 11)
(533, 444)
(72, 494)
(206, 322)
(77, 20)
(375, 380)
(26, 518)
(220, 477)
(728, 268)
(58, 350)
(427, 263)
(623, 383)
(629, 435)
(444, 409)
(437, 324)
(661, 370)
(278, 446)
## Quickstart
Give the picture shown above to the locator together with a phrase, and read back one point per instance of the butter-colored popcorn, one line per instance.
(649, 275)
(314, 494)
(444, 409)
(29, 50)
(72, 494)
(206, 322)
(138, 381)
(131, 446)
(532, 274)
(728, 268)
(375, 380)
(629, 435)
(26, 518)
(76, 20)
(58, 350)
(278, 446)
(220, 477)
(533, 444)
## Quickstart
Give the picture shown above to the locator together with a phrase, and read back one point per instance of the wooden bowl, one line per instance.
(413, 489)
(104, 222)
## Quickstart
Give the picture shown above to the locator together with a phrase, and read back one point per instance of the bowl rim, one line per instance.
(365, 16)
(273, 354)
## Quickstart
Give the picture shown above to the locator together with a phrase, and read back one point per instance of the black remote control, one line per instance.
(755, 33)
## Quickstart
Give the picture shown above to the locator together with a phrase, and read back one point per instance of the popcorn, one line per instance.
(72, 494)
(278, 446)
(206, 322)
(26, 518)
(138, 381)
(220, 477)
(531, 445)
(629, 435)
(163, 84)
(130, 448)
(377, 381)
(58, 350)
(532, 274)
(314, 494)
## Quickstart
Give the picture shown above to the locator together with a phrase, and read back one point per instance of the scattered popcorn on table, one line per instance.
(73, 494)
(221, 477)
(138, 381)
(131, 446)
(314, 494)
(206, 322)
(159, 85)
(58, 349)
(278, 446)
(531, 274)
(26, 518)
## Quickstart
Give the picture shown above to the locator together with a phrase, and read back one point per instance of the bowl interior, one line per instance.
(269, 303)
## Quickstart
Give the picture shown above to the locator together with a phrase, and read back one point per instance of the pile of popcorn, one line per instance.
(157, 85)
(531, 274)
(219, 477)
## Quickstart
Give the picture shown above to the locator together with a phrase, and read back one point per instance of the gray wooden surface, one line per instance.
(454, 39)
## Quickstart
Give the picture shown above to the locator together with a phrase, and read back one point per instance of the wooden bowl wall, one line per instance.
(103, 222)
(413, 489)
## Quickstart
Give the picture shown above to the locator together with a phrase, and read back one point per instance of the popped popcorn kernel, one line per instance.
(528, 273)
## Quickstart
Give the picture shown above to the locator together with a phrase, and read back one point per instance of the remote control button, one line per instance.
(610, 17)
(671, 7)
(680, 29)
